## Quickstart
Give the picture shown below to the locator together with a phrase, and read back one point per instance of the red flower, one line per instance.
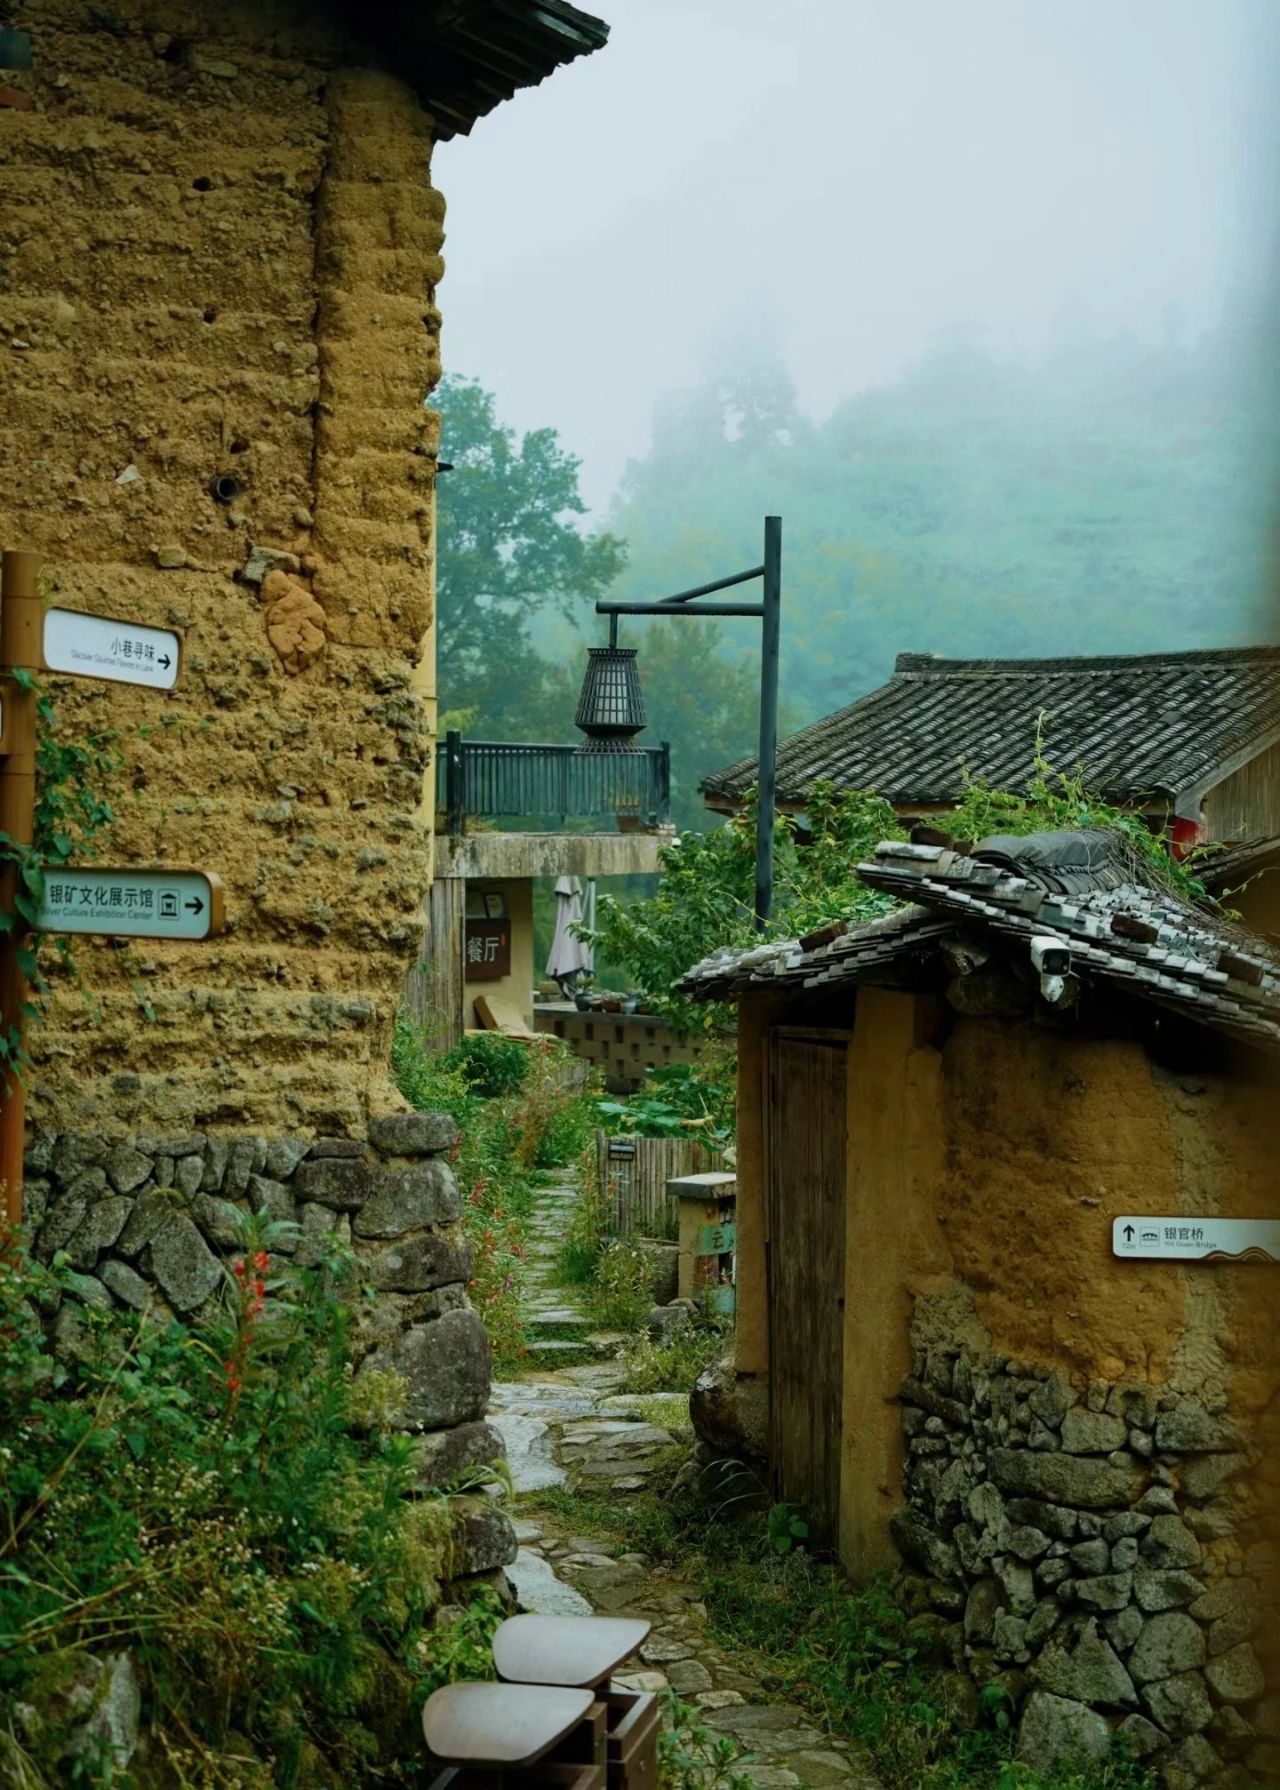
(259, 1288)
(260, 1260)
(237, 1268)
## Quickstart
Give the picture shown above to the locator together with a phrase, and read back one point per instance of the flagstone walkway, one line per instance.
(566, 1424)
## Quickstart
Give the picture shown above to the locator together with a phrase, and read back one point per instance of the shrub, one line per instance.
(225, 1502)
(673, 1364)
(618, 1293)
(491, 1064)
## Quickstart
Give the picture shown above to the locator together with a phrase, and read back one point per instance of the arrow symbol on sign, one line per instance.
(1128, 1233)
(165, 663)
(195, 907)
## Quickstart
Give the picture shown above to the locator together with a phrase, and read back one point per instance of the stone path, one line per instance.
(566, 1423)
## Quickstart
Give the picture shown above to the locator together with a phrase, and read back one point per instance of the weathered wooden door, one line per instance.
(805, 1141)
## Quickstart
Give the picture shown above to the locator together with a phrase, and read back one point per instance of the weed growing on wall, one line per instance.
(224, 1504)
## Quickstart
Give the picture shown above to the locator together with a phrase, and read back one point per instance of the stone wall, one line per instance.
(1094, 1555)
(219, 257)
(151, 1224)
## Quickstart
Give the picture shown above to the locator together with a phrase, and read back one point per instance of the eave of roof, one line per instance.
(464, 57)
(1122, 933)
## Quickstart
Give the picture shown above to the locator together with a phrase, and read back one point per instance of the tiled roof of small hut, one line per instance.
(464, 57)
(1141, 728)
(1086, 889)
(1229, 870)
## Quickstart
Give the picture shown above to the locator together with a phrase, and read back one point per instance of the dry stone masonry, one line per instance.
(148, 1223)
(1095, 1556)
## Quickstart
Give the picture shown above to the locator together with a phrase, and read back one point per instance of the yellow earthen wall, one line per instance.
(219, 254)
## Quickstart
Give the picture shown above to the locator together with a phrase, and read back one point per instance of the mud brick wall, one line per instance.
(218, 256)
(1097, 1556)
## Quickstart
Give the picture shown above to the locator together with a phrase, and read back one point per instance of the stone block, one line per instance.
(415, 1264)
(1110, 1591)
(918, 1544)
(1236, 1676)
(88, 1291)
(446, 1368)
(246, 1156)
(98, 1230)
(150, 1212)
(1180, 1705)
(409, 1199)
(128, 1286)
(1123, 1629)
(185, 1268)
(331, 1149)
(1192, 1764)
(1091, 1556)
(215, 1163)
(1169, 1643)
(444, 1455)
(188, 1174)
(283, 1156)
(1060, 1732)
(343, 1183)
(62, 1220)
(1165, 1590)
(272, 1197)
(220, 1221)
(1077, 1662)
(74, 1152)
(482, 1538)
(1081, 1480)
(1169, 1543)
(1092, 1432)
(316, 1225)
(413, 1134)
(1205, 1475)
(1190, 1429)
(1140, 1737)
(127, 1168)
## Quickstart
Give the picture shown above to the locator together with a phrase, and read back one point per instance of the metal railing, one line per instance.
(501, 777)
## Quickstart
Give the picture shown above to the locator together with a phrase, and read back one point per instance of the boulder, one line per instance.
(97, 1230)
(1060, 1732)
(1169, 1543)
(665, 1321)
(409, 1199)
(110, 1692)
(413, 1134)
(1092, 1432)
(127, 1168)
(1189, 1429)
(129, 1288)
(1140, 1737)
(482, 1538)
(730, 1413)
(1165, 1590)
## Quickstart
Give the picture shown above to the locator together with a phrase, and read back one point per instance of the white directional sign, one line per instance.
(107, 647)
(156, 904)
(1185, 1239)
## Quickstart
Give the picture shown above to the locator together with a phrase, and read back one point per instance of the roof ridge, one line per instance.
(1083, 664)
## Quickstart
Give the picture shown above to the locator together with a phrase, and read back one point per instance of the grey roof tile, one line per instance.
(1141, 728)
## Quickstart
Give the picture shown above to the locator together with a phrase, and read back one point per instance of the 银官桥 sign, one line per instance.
(1193, 1239)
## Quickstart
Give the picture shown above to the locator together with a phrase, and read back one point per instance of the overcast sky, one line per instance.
(861, 176)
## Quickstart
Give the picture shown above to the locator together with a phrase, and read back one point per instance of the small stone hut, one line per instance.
(1069, 1455)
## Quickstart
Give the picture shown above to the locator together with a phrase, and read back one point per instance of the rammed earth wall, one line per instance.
(219, 256)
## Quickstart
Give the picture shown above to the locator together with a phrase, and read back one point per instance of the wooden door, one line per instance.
(805, 1143)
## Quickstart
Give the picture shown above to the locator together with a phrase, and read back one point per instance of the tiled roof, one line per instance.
(1142, 729)
(1228, 871)
(1118, 929)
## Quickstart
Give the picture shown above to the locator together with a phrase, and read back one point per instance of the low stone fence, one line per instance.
(149, 1223)
(1091, 1555)
(622, 1046)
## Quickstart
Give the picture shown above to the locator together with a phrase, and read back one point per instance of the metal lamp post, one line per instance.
(611, 711)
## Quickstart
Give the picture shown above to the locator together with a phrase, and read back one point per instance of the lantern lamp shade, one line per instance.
(610, 708)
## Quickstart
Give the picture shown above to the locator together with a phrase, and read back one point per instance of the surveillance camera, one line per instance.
(1050, 956)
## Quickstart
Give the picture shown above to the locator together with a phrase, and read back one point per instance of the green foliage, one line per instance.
(71, 812)
(618, 1294)
(491, 1064)
(508, 547)
(674, 1363)
(786, 1528)
(691, 1757)
(681, 1100)
(226, 1502)
(504, 1139)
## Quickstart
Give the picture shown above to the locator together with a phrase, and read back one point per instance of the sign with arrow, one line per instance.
(104, 646)
(152, 904)
(1197, 1239)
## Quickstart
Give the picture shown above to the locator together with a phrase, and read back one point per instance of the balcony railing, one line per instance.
(517, 781)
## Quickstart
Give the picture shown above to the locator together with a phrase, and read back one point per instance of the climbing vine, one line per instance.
(71, 811)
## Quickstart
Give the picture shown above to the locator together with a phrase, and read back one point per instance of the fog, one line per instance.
(859, 181)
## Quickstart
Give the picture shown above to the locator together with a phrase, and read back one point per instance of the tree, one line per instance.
(508, 548)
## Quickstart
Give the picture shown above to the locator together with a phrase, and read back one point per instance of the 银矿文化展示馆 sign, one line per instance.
(156, 904)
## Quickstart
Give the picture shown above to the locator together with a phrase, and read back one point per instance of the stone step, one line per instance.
(554, 1351)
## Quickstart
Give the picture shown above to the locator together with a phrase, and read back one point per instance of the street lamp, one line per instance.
(611, 709)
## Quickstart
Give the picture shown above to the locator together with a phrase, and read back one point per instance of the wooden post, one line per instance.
(20, 648)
